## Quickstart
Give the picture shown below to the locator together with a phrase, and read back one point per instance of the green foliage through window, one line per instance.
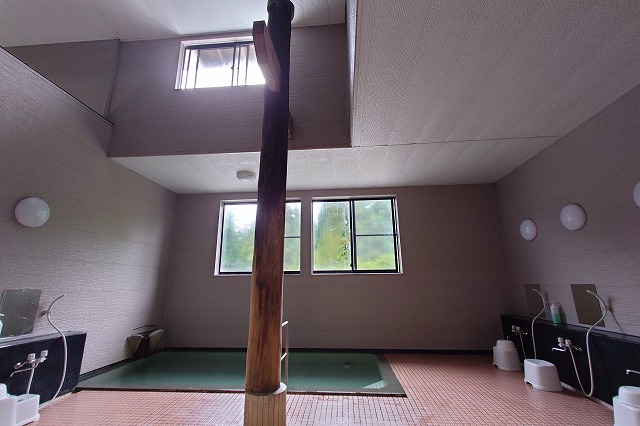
(357, 235)
(238, 233)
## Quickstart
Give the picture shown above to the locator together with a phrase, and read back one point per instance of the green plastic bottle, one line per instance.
(555, 313)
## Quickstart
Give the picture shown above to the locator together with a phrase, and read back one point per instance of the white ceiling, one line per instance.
(24, 22)
(446, 92)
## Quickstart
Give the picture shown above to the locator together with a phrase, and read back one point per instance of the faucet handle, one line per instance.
(31, 357)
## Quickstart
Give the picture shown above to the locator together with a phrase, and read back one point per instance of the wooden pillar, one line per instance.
(262, 386)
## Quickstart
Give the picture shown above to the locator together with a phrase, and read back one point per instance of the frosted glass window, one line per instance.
(220, 65)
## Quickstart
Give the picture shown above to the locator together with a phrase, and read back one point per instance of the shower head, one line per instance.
(544, 301)
(605, 308)
(48, 311)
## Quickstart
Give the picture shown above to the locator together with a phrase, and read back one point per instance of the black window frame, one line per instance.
(353, 236)
(221, 239)
(186, 60)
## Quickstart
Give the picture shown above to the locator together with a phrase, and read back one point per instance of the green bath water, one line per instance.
(323, 372)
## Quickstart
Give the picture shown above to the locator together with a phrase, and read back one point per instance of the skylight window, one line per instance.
(219, 65)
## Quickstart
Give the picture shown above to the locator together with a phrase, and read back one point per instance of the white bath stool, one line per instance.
(626, 406)
(505, 356)
(542, 375)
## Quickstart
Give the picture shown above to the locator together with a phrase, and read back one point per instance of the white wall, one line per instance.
(151, 117)
(596, 166)
(107, 243)
(450, 296)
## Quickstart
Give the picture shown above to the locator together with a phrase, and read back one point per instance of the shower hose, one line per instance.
(64, 345)
(575, 367)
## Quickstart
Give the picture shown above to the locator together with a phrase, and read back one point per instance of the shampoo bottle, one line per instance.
(555, 313)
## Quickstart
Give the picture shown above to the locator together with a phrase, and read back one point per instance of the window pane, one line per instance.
(238, 233)
(373, 217)
(239, 222)
(292, 219)
(189, 69)
(292, 254)
(254, 73)
(215, 67)
(292, 236)
(240, 76)
(375, 253)
(220, 65)
(331, 236)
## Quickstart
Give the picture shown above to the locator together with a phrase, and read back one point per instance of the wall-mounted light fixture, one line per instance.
(528, 229)
(572, 217)
(246, 175)
(32, 212)
(636, 194)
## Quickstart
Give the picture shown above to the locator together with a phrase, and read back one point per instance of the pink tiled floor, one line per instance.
(441, 390)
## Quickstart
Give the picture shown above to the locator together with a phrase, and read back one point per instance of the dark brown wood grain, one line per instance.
(268, 62)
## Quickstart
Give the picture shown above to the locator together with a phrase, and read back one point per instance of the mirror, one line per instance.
(587, 306)
(18, 310)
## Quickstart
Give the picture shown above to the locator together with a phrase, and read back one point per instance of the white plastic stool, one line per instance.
(542, 375)
(626, 406)
(505, 356)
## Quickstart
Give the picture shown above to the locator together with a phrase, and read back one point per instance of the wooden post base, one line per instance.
(266, 409)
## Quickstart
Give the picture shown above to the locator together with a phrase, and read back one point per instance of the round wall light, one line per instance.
(246, 175)
(572, 217)
(32, 212)
(636, 194)
(528, 229)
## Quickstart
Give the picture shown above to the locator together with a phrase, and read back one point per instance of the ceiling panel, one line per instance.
(536, 40)
(446, 30)
(493, 33)
(171, 172)
(421, 157)
(445, 92)
(25, 22)
(395, 161)
(615, 59)
(358, 167)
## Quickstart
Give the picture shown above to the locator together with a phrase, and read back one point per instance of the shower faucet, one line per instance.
(31, 359)
(516, 330)
(563, 345)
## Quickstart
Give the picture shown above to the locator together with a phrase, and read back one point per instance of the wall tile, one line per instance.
(107, 243)
(454, 278)
(596, 166)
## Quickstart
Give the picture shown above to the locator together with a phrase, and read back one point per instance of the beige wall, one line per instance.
(85, 69)
(450, 295)
(596, 166)
(107, 243)
(151, 117)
